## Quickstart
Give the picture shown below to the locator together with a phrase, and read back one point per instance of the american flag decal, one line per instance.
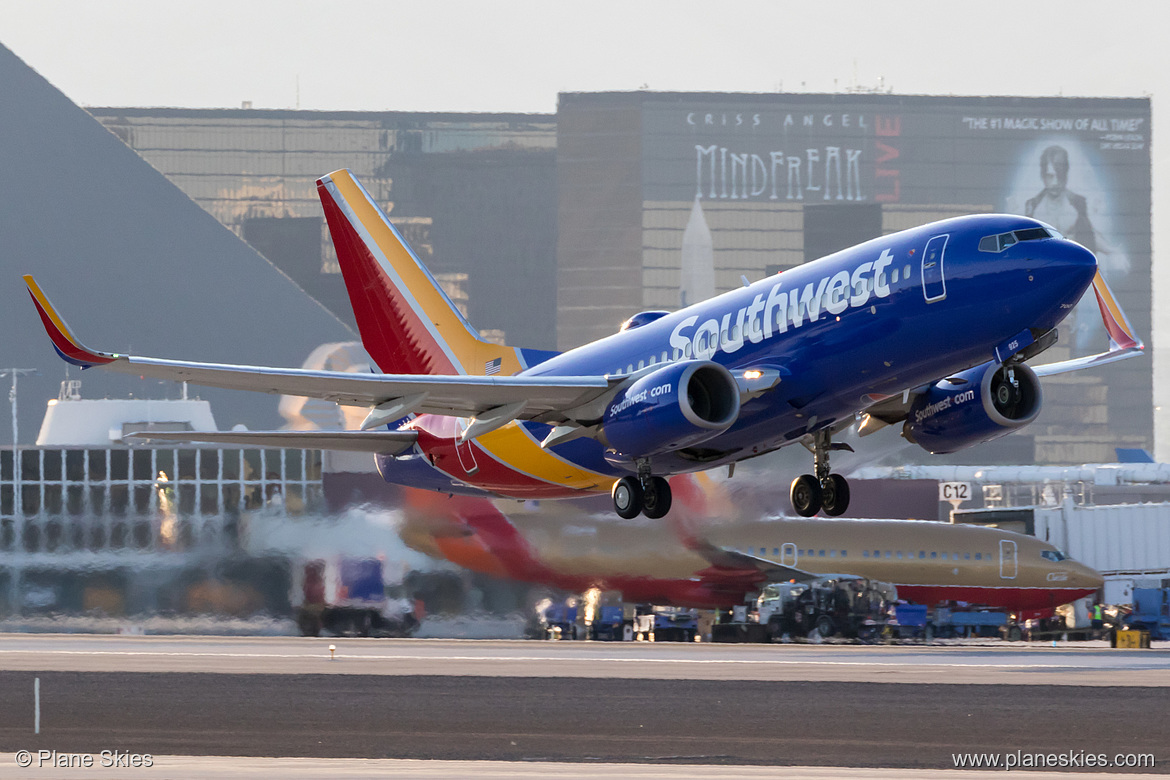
(492, 366)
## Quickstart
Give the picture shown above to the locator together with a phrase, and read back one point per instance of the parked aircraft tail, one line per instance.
(408, 325)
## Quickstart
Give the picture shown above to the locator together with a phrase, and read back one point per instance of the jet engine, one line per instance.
(676, 406)
(978, 405)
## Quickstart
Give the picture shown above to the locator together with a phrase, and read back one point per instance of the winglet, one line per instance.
(1121, 334)
(70, 349)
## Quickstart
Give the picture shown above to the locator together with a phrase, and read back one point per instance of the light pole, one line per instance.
(16, 487)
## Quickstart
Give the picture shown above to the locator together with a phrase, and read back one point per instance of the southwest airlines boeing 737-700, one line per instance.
(930, 327)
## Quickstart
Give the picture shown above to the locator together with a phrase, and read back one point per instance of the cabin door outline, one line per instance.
(1008, 559)
(788, 554)
(464, 451)
(934, 283)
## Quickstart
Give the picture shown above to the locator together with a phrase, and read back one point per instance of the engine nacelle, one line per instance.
(679, 405)
(978, 405)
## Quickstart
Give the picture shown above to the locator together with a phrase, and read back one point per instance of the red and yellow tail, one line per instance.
(407, 323)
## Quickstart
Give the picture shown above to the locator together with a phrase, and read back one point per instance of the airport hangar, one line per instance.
(628, 201)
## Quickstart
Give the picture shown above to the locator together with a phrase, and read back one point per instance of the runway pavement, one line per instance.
(1091, 664)
(678, 706)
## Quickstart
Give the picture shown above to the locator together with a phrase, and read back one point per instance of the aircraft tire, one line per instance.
(825, 626)
(656, 498)
(835, 495)
(805, 495)
(627, 497)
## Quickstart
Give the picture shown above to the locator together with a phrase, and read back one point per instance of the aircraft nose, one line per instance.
(1076, 257)
(1063, 267)
(1087, 577)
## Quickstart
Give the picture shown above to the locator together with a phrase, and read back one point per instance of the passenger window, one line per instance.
(889, 554)
(899, 555)
(844, 554)
(821, 554)
(966, 556)
(906, 272)
(978, 556)
(921, 554)
(832, 553)
(865, 553)
(933, 555)
(776, 551)
(894, 277)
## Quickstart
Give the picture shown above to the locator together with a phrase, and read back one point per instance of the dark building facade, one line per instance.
(475, 194)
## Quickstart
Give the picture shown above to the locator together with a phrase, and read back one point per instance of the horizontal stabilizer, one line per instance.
(376, 442)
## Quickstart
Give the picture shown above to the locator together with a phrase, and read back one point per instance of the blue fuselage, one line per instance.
(873, 320)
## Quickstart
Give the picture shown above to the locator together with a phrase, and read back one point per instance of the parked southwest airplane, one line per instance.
(691, 563)
(930, 327)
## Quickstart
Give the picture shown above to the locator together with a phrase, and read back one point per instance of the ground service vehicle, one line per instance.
(347, 596)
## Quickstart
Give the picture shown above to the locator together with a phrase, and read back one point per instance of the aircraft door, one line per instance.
(465, 451)
(788, 555)
(934, 285)
(1007, 559)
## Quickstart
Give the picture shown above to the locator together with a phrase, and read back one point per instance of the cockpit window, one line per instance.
(1053, 555)
(1004, 240)
(1032, 234)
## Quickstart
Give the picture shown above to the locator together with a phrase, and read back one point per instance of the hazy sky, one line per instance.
(516, 56)
(431, 55)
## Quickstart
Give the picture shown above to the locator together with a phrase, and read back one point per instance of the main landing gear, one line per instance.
(824, 491)
(643, 494)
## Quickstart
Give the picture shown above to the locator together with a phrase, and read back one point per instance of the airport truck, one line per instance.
(850, 608)
(346, 596)
(1151, 612)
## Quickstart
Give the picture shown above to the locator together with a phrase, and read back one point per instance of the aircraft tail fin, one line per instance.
(407, 322)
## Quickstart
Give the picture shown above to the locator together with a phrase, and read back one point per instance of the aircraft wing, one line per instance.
(392, 396)
(375, 442)
(723, 558)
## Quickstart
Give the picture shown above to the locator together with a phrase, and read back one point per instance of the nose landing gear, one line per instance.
(823, 492)
(643, 494)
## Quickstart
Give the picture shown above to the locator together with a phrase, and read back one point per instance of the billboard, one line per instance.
(741, 186)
